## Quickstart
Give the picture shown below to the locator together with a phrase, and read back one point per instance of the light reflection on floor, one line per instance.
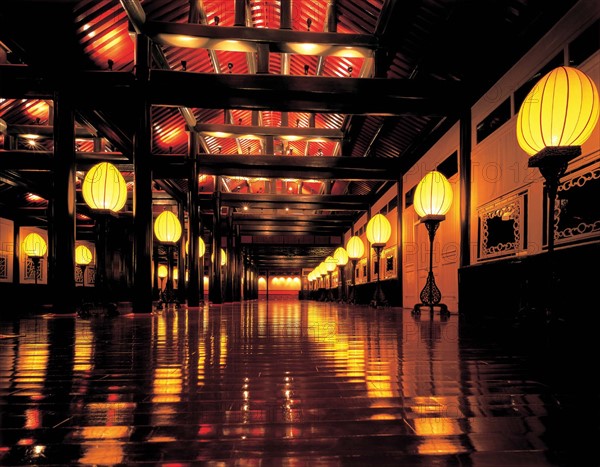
(285, 382)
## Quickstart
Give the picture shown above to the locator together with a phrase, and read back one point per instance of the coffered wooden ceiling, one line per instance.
(306, 110)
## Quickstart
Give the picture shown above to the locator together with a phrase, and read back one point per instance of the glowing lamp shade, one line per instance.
(433, 195)
(175, 274)
(223, 257)
(323, 269)
(330, 264)
(355, 247)
(561, 110)
(163, 271)
(104, 188)
(167, 227)
(34, 245)
(83, 255)
(341, 255)
(379, 230)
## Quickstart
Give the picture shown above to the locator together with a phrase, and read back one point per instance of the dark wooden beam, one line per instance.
(41, 160)
(362, 96)
(309, 202)
(375, 96)
(247, 39)
(241, 131)
(321, 168)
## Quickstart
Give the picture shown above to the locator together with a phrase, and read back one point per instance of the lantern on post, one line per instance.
(356, 249)
(35, 248)
(556, 118)
(167, 229)
(163, 272)
(104, 190)
(330, 265)
(432, 200)
(83, 257)
(378, 233)
(342, 259)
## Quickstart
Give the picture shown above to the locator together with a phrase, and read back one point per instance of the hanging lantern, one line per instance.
(167, 227)
(104, 188)
(378, 230)
(341, 255)
(83, 255)
(355, 247)
(561, 110)
(433, 195)
(223, 257)
(34, 245)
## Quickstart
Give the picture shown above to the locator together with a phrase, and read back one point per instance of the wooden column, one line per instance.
(142, 192)
(465, 187)
(216, 288)
(399, 251)
(61, 221)
(229, 267)
(195, 278)
(181, 295)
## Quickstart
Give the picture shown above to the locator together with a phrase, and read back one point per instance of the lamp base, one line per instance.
(379, 299)
(416, 311)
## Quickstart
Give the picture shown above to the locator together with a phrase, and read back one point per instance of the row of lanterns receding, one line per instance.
(432, 200)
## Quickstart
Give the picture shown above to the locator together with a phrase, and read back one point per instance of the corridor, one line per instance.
(278, 382)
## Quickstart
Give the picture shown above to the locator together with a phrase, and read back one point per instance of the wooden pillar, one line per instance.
(240, 13)
(216, 291)
(230, 266)
(239, 269)
(142, 192)
(181, 295)
(195, 273)
(465, 187)
(285, 14)
(399, 251)
(61, 222)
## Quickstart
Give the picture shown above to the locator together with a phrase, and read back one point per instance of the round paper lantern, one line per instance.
(104, 188)
(167, 227)
(163, 271)
(561, 110)
(433, 195)
(34, 245)
(378, 230)
(330, 264)
(83, 255)
(201, 247)
(355, 247)
(341, 255)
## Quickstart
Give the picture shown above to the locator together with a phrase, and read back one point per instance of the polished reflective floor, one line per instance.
(283, 382)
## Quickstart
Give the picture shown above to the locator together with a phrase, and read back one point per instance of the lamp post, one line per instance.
(341, 255)
(558, 115)
(104, 190)
(167, 229)
(432, 200)
(35, 247)
(556, 118)
(356, 249)
(378, 233)
(201, 251)
(330, 265)
(322, 274)
(162, 272)
(83, 257)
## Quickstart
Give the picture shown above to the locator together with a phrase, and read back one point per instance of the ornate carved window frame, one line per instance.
(512, 207)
